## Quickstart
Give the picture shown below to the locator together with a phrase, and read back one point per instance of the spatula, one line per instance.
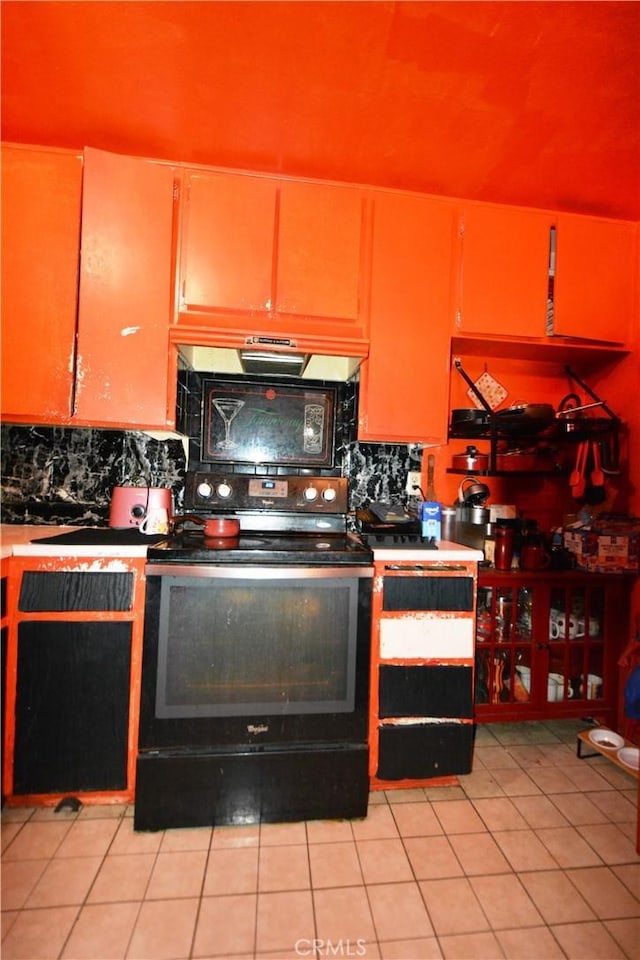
(595, 492)
(577, 479)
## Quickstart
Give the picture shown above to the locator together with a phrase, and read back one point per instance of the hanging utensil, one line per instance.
(431, 490)
(595, 491)
(597, 474)
(610, 455)
(577, 480)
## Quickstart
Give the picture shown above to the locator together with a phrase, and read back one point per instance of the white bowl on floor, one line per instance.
(630, 756)
(606, 738)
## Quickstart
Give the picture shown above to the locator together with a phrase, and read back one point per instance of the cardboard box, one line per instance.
(610, 544)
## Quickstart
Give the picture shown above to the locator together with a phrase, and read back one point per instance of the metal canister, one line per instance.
(448, 523)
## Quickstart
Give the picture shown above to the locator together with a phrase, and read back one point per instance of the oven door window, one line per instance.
(237, 647)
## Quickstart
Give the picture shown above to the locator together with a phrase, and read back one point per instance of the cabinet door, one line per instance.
(272, 257)
(125, 293)
(576, 645)
(507, 674)
(404, 382)
(320, 258)
(596, 278)
(41, 195)
(72, 707)
(503, 271)
(227, 245)
(546, 645)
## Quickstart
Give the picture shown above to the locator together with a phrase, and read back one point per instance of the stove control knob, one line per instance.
(224, 490)
(204, 490)
(329, 494)
(310, 494)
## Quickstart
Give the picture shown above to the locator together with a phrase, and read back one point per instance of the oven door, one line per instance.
(244, 655)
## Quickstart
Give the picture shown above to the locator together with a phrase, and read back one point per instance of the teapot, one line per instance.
(474, 495)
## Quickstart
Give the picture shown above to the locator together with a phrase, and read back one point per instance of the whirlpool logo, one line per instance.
(257, 728)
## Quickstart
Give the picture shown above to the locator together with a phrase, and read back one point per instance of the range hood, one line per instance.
(266, 359)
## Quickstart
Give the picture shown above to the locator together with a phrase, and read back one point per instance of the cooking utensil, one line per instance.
(471, 459)
(475, 494)
(577, 479)
(470, 421)
(594, 491)
(476, 515)
(610, 454)
(528, 419)
(214, 527)
(431, 490)
(597, 474)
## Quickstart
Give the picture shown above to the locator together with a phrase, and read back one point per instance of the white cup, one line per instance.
(558, 626)
(156, 521)
(555, 687)
(594, 686)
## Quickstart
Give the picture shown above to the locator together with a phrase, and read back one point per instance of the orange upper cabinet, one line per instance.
(282, 258)
(321, 251)
(503, 271)
(595, 278)
(404, 383)
(226, 259)
(41, 198)
(511, 285)
(125, 373)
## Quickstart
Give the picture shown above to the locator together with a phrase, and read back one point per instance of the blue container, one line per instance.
(431, 519)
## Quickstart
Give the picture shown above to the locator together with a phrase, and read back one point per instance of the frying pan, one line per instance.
(470, 421)
(528, 419)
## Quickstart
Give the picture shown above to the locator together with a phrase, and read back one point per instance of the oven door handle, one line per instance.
(242, 572)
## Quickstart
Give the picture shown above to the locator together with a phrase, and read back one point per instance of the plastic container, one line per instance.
(431, 519)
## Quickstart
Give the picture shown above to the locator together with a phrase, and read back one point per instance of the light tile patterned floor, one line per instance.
(531, 857)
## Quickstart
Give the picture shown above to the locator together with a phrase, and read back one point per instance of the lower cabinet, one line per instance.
(421, 716)
(72, 694)
(72, 707)
(3, 651)
(547, 645)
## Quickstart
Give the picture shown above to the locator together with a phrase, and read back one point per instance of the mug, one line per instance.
(534, 557)
(594, 686)
(156, 521)
(558, 626)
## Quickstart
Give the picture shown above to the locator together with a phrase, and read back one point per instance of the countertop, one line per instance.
(447, 552)
(15, 540)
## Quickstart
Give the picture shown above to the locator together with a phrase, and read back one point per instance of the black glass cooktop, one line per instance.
(316, 549)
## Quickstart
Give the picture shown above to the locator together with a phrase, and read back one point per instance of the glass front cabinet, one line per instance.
(547, 644)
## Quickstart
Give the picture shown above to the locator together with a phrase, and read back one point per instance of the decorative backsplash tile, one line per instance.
(63, 475)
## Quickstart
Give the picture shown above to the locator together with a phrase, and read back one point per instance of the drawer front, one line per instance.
(429, 691)
(417, 751)
(425, 637)
(42, 591)
(428, 593)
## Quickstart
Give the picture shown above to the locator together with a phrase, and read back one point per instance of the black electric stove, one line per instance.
(255, 668)
(283, 520)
